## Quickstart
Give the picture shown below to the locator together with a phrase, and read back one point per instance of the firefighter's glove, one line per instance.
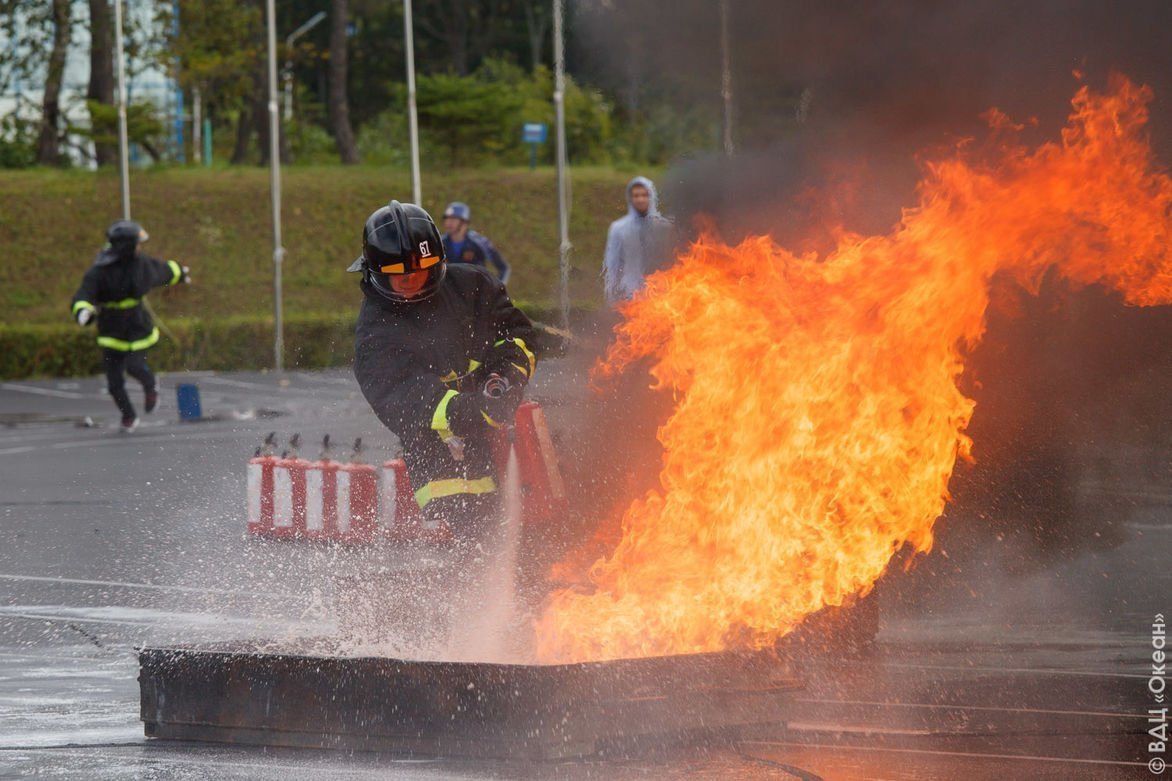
(85, 316)
(512, 360)
(470, 414)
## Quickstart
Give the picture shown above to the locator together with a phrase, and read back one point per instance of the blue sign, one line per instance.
(534, 132)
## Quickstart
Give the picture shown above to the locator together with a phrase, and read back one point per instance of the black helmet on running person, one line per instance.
(126, 233)
(402, 253)
(123, 238)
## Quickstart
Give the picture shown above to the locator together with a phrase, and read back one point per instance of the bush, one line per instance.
(143, 126)
(665, 132)
(18, 142)
(477, 119)
(231, 344)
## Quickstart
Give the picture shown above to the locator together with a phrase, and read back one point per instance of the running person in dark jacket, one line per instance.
(463, 245)
(112, 292)
(442, 356)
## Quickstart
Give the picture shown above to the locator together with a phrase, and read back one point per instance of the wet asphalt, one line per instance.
(111, 542)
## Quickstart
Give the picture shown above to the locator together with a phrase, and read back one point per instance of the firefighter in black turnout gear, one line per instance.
(112, 293)
(443, 357)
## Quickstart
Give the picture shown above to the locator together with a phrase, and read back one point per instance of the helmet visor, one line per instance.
(414, 265)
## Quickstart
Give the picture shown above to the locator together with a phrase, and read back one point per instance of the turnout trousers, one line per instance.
(119, 363)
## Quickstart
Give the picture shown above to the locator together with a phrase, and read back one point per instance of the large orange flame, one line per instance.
(818, 417)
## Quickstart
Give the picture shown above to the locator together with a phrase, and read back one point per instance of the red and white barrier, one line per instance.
(321, 497)
(288, 518)
(260, 493)
(400, 516)
(276, 496)
(348, 502)
(356, 508)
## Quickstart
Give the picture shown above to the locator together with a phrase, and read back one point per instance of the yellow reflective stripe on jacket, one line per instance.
(176, 271)
(79, 305)
(439, 418)
(528, 354)
(126, 303)
(437, 489)
(125, 346)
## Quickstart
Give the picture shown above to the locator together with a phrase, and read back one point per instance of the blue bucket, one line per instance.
(187, 396)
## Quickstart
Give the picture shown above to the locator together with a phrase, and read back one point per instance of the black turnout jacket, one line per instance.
(410, 360)
(115, 286)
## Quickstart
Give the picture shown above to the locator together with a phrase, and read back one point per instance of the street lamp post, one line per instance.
(123, 144)
(275, 188)
(287, 71)
(559, 102)
(412, 114)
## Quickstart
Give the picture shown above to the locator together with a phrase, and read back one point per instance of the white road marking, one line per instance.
(128, 735)
(243, 384)
(298, 770)
(150, 586)
(133, 616)
(42, 391)
(4, 613)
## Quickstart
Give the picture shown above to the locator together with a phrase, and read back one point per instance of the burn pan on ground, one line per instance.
(243, 695)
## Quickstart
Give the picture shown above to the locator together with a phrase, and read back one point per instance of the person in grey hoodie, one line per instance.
(637, 244)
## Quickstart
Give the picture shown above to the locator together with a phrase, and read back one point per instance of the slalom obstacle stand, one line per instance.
(290, 497)
(353, 503)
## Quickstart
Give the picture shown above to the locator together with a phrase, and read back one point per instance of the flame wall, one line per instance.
(818, 417)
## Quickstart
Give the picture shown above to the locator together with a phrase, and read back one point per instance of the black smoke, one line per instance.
(834, 90)
(836, 106)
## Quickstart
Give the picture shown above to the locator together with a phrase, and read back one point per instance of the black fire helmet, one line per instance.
(401, 238)
(123, 237)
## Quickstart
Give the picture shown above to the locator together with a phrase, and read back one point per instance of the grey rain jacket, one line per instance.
(636, 245)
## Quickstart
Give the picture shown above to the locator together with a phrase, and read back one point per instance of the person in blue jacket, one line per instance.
(111, 294)
(463, 245)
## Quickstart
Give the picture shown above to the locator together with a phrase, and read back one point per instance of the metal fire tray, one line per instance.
(238, 694)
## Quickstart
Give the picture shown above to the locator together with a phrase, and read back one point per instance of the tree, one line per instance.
(537, 21)
(101, 85)
(339, 103)
(143, 126)
(36, 36)
(375, 59)
(49, 140)
(220, 47)
(467, 29)
(468, 116)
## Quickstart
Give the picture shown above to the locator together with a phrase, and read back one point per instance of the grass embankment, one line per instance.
(218, 222)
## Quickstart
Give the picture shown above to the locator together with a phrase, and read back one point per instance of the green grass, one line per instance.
(217, 221)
